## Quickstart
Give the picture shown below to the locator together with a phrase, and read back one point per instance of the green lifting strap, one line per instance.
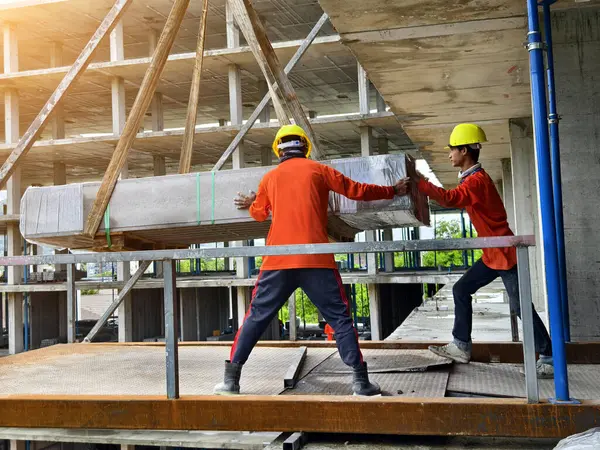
(107, 225)
(212, 214)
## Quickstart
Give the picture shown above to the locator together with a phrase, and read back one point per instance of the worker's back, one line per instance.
(296, 193)
(298, 196)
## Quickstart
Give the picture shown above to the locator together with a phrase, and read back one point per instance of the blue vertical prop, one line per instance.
(542, 147)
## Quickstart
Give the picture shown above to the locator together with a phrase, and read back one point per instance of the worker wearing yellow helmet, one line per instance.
(291, 139)
(477, 194)
(295, 195)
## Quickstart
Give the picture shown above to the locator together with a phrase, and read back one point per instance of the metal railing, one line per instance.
(169, 257)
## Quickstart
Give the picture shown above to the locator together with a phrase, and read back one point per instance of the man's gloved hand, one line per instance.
(402, 187)
(244, 201)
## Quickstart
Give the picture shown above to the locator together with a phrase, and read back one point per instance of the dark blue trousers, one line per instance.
(479, 276)
(274, 287)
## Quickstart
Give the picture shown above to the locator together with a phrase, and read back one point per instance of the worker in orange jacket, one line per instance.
(477, 194)
(295, 194)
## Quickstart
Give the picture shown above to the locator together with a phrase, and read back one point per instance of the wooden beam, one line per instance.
(82, 61)
(185, 160)
(256, 36)
(265, 101)
(312, 413)
(140, 105)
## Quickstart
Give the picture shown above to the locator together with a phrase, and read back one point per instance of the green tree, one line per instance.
(449, 229)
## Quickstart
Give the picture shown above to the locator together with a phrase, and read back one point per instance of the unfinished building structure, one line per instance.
(348, 115)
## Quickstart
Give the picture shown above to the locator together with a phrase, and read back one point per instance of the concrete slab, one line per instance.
(434, 320)
(187, 439)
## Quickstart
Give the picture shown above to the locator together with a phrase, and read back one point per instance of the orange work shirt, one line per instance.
(296, 194)
(477, 194)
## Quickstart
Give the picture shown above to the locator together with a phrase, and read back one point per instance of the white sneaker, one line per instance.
(451, 351)
(543, 370)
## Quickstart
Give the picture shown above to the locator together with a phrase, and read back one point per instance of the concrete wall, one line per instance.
(203, 310)
(148, 313)
(577, 46)
(397, 301)
(46, 317)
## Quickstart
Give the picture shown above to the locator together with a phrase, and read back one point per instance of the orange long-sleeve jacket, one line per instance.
(477, 194)
(296, 195)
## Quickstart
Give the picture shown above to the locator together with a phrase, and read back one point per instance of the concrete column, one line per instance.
(576, 46)
(60, 178)
(382, 141)
(17, 445)
(157, 100)
(238, 158)
(13, 189)
(58, 117)
(526, 214)
(363, 91)
(160, 169)
(265, 115)
(388, 257)
(366, 149)
(508, 196)
(117, 53)
(15, 273)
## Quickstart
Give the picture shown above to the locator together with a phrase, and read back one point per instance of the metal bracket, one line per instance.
(553, 118)
(534, 46)
(571, 401)
(295, 442)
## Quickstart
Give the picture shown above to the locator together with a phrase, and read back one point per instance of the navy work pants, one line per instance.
(274, 287)
(479, 276)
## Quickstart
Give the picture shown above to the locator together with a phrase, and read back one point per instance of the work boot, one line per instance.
(544, 368)
(361, 384)
(231, 381)
(451, 351)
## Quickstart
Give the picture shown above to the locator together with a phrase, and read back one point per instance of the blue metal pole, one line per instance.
(540, 125)
(553, 119)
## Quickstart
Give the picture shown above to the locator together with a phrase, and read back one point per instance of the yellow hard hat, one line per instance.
(291, 130)
(465, 134)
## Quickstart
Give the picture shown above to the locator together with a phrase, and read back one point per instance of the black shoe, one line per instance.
(361, 384)
(231, 380)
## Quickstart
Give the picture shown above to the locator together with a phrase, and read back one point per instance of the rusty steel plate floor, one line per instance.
(506, 380)
(100, 369)
(89, 369)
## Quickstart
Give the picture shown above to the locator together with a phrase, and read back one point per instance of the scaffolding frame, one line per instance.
(169, 258)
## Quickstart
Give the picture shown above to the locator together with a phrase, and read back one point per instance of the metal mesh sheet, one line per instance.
(506, 380)
(407, 384)
(332, 377)
(387, 361)
(140, 370)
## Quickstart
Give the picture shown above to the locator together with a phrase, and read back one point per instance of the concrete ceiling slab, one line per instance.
(440, 63)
